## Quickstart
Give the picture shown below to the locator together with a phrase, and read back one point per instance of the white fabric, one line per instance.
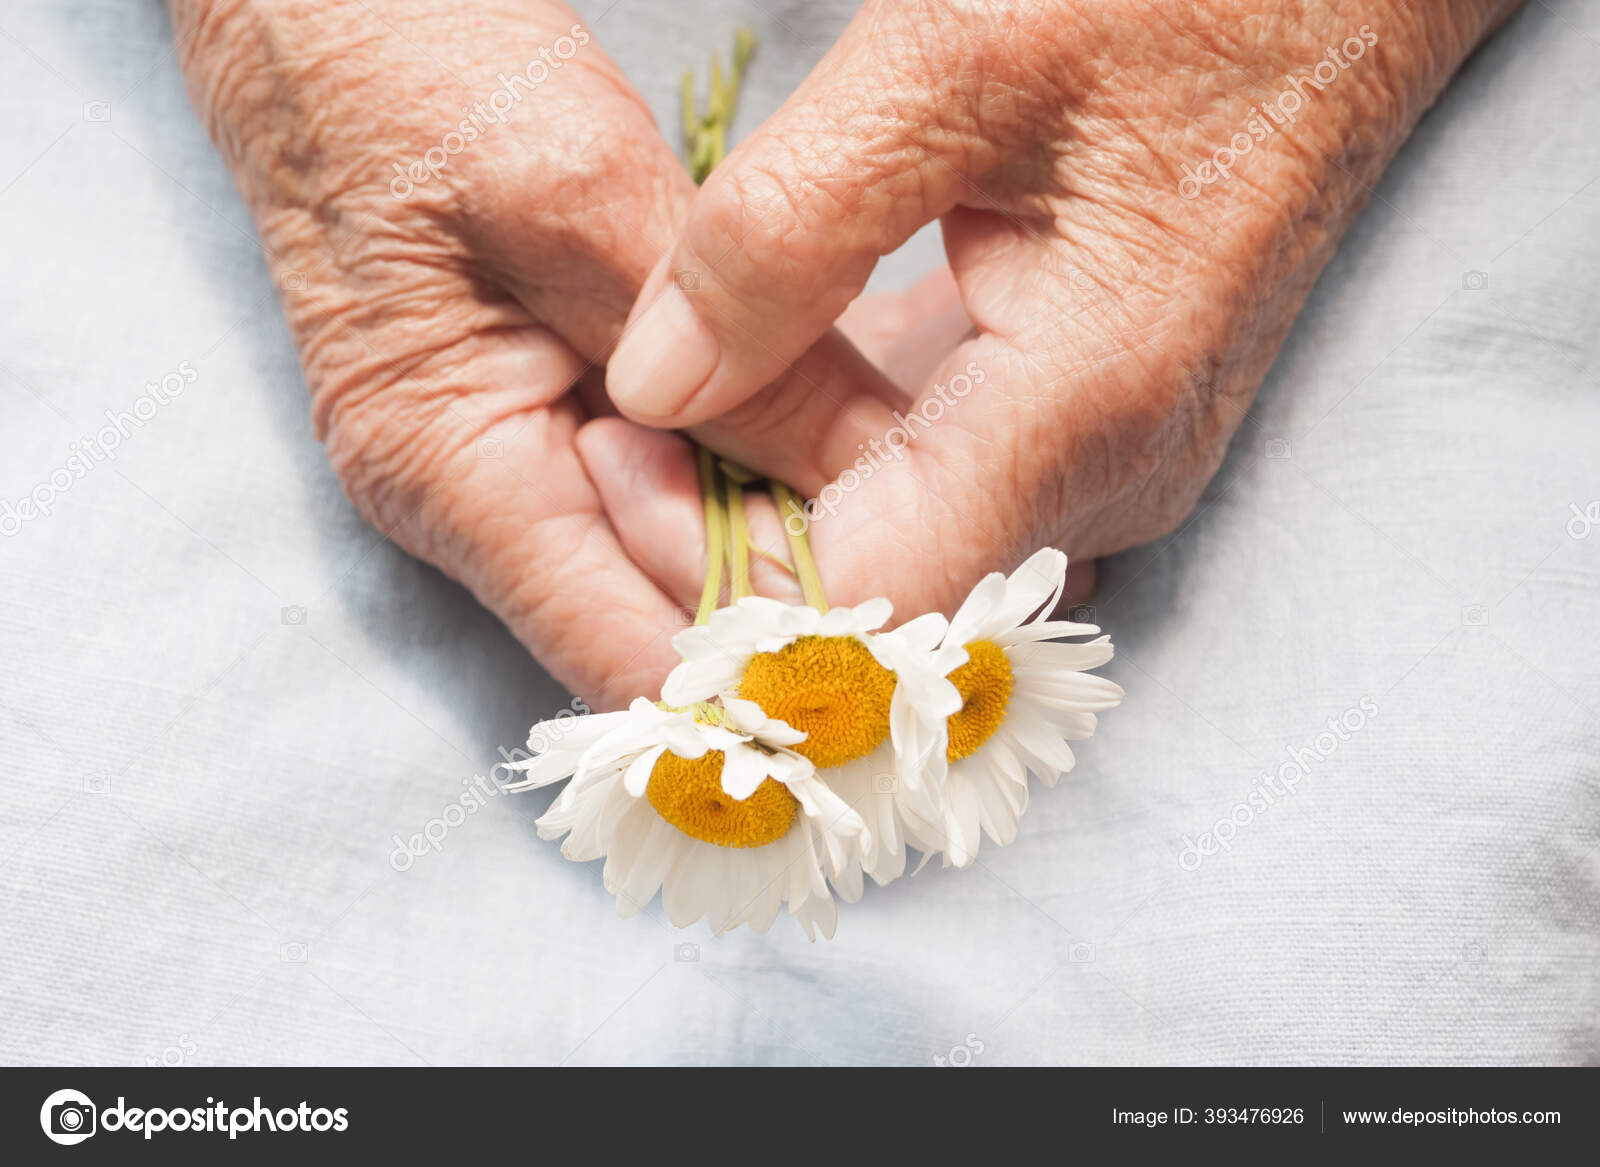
(197, 798)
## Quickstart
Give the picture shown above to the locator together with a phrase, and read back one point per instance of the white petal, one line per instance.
(973, 618)
(638, 775)
(924, 633)
(749, 718)
(1059, 657)
(831, 812)
(697, 642)
(703, 678)
(685, 736)
(649, 869)
(795, 621)
(1079, 692)
(1043, 630)
(572, 734)
(1040, 738)
(742, 771)
(997, 815)
(919, 742)
(1037, 583)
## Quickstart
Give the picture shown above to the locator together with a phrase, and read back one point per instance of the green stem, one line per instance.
(738, 543)
(777, 561)
(705, 135)
(805, 568)
(716, 527)
(691, 120)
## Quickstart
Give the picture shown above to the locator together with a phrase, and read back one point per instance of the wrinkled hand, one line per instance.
(447, 309)
(1075, 377)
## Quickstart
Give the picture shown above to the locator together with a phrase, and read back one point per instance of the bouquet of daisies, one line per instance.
(798, 749)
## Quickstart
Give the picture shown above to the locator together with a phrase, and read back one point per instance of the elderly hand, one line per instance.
(460, 200)
(1136, 197)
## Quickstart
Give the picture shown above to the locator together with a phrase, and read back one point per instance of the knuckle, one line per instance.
(772, 235)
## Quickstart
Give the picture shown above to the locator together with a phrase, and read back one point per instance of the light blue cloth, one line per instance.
(222, 695)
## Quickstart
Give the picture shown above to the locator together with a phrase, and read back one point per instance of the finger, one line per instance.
(941, 504)
(578, 219)
(648, 482)
(784, 233)
(811, 423)
(1045, 429)
(770, 560)
(906, 334)
(499, 500)
(836, 410)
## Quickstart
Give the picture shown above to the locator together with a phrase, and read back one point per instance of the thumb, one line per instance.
(784, 233)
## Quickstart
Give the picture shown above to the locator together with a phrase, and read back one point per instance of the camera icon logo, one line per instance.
(68, 1117)
(1081, 954)
(686, 953)
(963, 1055)
(96, 784)
(1584, 521)
(491, 448)
(293, 952)
(1278, 449)
(1474, 616)
(293, 614)
(1081, 280)
(293, 281)
(689, 281)
(1082, 614)
(1474, 281)
(97, 111)
(883, 783)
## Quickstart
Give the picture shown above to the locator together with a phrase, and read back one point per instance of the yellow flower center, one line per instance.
(984, 683)
(688, 793)
(830, 688)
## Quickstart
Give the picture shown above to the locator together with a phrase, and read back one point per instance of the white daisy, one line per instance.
(898, 780)
(709, 805)
(1022, 699)
(872, 705)
(832, 675)
(869, 785)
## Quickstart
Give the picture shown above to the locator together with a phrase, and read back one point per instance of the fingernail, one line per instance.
(663, 358)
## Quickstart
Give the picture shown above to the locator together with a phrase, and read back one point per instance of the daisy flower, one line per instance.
(828, 674)
(871, 705)
(1022, 699)
(709, 805)
(897, 780)
(871, 787)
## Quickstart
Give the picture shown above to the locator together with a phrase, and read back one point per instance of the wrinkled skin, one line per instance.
(1123, 328)
(469, 313)
(454, 341)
